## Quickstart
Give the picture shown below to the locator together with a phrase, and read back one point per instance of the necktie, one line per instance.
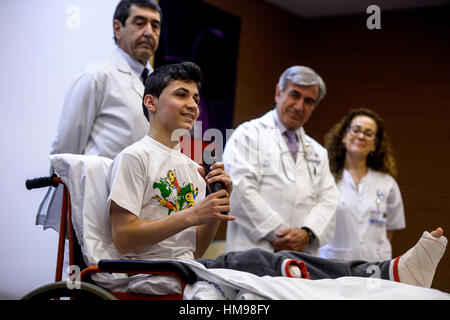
(292, 143)
(144, 75)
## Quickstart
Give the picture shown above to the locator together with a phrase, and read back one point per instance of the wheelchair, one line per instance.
(84, 288)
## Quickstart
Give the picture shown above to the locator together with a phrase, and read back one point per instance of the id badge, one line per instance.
(378, 215)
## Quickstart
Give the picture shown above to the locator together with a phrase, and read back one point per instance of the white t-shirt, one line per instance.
(152, 181)
(364, 216)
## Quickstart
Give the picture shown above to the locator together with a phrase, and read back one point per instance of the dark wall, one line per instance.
(402, 71)
(200, 32)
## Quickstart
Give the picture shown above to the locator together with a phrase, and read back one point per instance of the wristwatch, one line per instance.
(311, 235)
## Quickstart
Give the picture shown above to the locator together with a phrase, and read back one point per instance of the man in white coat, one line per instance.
(284, 194)
(102, 112)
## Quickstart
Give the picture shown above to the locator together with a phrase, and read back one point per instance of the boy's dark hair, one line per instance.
(122, 11)
(161, 77)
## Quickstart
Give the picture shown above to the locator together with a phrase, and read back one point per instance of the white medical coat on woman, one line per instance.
(102, 114)
(364, 216)
(271, 190)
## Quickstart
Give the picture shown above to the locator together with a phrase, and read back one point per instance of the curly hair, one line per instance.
(382, 159)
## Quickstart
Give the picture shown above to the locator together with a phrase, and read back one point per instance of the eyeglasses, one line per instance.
(356, 130)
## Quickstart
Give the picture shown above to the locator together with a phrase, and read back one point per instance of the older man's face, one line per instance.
(139, 37)
(295, 104)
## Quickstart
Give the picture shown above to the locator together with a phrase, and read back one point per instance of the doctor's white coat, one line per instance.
(271, 190)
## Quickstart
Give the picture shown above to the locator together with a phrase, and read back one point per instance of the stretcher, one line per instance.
(85, 224)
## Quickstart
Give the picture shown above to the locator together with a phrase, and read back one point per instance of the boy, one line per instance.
(159, 210)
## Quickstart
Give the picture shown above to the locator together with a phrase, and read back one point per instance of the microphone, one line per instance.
(209, 158)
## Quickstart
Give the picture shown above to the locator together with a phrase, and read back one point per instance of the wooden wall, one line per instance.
(402, 71)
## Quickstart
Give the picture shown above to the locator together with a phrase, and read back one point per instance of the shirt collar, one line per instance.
(149, 140)
(348, 177)
(135, 65)
(281, 127)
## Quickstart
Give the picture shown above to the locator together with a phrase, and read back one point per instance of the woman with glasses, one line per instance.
(370, 203)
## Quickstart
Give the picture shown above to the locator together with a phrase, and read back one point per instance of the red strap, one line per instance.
(395, 271)
(304, 271)
(301, 265)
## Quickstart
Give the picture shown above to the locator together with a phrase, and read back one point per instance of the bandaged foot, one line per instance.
(418, 265)
(294, 269)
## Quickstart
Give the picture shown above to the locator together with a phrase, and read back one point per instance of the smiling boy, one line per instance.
(148, 221)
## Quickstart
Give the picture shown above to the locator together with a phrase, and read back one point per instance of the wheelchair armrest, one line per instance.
(186, 274)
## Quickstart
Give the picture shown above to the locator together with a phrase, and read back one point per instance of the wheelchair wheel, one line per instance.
(86, 291)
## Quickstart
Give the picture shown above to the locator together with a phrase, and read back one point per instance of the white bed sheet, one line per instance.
(232, 284)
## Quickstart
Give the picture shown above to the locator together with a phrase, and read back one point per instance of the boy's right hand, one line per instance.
(210, 209)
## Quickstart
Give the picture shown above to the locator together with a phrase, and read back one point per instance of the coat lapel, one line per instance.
(268, 121)
(123, 66)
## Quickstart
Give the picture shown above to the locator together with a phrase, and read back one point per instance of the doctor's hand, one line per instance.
(291, 239)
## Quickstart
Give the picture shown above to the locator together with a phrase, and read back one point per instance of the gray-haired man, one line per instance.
(285, 196)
